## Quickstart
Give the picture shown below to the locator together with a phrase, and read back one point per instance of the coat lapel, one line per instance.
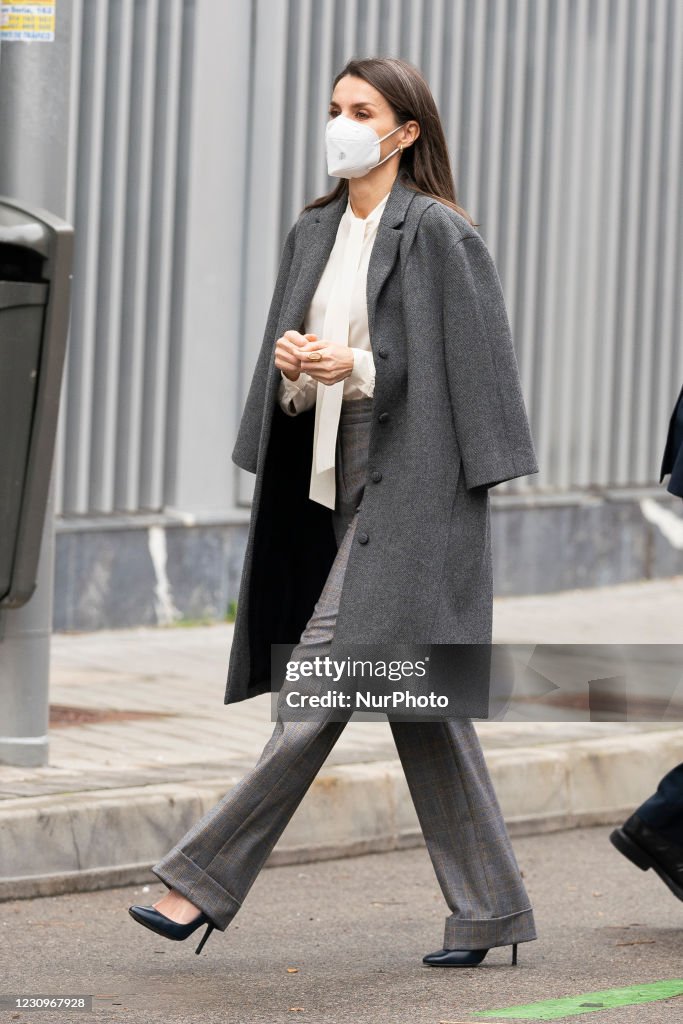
(316, 239)
(386, 245)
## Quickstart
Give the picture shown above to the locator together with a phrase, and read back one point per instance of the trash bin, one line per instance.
(36, 251)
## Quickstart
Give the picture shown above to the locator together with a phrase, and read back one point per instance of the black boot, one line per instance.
(648, 849)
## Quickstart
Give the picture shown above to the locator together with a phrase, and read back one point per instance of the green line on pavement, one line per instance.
(589, 1002)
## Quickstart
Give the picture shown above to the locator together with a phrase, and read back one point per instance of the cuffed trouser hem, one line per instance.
(495, 931)
(178, 872)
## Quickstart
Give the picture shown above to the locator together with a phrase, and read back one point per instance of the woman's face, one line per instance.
(361, 102)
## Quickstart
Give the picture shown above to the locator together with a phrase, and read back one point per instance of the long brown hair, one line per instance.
(425, 166)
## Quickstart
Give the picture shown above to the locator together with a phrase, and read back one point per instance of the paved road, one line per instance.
(356, 929)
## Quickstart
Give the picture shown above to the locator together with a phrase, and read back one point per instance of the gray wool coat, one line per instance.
(449, 423)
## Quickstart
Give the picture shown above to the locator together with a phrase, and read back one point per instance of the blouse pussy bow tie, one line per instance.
(329, 396)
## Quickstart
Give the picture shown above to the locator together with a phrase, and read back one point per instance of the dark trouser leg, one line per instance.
(465, 834)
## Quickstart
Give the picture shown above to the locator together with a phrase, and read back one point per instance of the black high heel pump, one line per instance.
(152, 918)
(461, 957)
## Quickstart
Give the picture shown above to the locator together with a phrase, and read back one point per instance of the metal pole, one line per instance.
(25, 662)
(34, 153)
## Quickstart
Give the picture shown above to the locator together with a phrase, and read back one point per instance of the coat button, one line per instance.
(382, 352)
(383, 417)
(363, 537)
(376, 476)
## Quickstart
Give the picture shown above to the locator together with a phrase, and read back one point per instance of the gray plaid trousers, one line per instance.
(215, 864)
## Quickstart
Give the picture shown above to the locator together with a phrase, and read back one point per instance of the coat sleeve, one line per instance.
(672, 459)
(245, 451)
(489, 413)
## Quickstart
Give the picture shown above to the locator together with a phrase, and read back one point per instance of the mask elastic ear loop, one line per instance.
(392, 132)
(399, 149)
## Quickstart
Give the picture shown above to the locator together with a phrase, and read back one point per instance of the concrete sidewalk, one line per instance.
(142, 745)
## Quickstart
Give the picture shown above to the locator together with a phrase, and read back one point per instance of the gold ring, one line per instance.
(314, 356)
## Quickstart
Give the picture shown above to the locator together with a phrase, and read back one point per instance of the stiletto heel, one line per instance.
(157, 922)
(204, 938)
(461, 957)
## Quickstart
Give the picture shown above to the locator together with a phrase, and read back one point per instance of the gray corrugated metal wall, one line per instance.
(127, 199)
(200, 135)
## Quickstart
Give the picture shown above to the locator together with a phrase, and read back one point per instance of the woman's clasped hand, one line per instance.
(335, 362)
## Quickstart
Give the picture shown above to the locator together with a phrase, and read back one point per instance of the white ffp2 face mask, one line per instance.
(353, 148)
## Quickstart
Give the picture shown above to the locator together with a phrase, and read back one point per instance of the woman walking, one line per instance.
(385, 403)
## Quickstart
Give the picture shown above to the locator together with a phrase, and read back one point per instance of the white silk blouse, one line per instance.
(294, 396)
